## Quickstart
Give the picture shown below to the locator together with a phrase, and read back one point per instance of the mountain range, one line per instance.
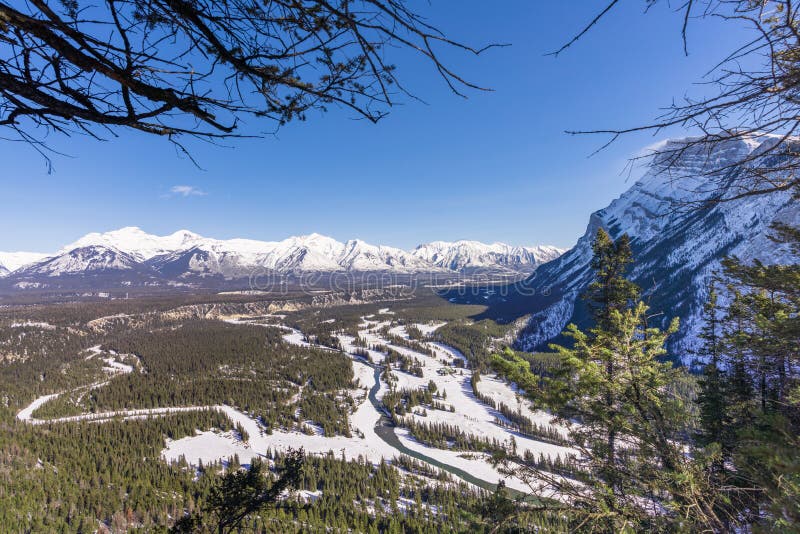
(677, 246)
(132, 257)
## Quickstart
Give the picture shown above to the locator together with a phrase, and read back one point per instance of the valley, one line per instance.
(435, 390)
(395, 267)
(374, 436)
(209, 387)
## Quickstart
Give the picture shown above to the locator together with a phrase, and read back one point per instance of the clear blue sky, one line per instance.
(494, 167)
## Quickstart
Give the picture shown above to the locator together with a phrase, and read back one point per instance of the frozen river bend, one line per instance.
(373, 437)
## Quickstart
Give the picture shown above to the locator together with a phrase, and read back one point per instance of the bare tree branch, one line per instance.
(755, 105)
(177, 68)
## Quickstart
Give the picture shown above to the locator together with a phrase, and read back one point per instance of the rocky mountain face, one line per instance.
(132, 257)
(677, 246)
(470, 255)
(84, 260)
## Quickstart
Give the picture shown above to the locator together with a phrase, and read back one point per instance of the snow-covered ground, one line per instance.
(207, 444)
(112, 358)
(295, 337)
(26, 414)
(409, 381)
(470, 414)
(349, 346)
(399, 331)
(365, 443)
(476, 464)
(210, 446)
(33, 324)
(114, 366)
(428, 328)
(447, 350)
(363, 375)
(501, 392)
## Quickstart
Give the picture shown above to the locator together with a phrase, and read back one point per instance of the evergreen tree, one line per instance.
(762, 343)
(712, 397)
(615, 393)
(498, 508)
(242, 493)
(610, 293)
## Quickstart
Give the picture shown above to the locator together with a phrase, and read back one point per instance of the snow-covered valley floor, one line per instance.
(469, 414)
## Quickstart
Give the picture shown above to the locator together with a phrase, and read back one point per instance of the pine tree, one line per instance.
(716, 432)
(614, 391)
(241, 494)
(712, 397)
(762, 342)
(498, 508)
(610, 293)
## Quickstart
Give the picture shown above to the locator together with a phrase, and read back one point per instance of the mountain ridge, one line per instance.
(676, 248)
(185, 254)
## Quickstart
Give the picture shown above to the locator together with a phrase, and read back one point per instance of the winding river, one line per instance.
(384, 428)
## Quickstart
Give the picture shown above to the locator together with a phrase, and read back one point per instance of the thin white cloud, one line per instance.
(187, 191)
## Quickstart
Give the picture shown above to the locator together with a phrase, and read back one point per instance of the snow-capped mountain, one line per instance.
(360, 256)
(91, 267)
(465, 255)
(83, 260)
(184, 256)
(676, 249)
(313, 252)
(137, 243)
(202, 260)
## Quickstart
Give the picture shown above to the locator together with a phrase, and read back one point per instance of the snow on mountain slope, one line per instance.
(137, 243)
(237, 258)
(185, 254)
(361, 256)
(676, 248)
(463, 255)
(313, 252)
(203, 260)
(89, 259)
(11, 261)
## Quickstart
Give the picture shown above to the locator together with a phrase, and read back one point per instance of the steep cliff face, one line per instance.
(676, 246)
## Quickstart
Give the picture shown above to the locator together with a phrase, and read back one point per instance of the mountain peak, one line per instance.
(82, 260)
(185, 235)
(315, 237)
(676, 251)
(185, 253)
(138, 243)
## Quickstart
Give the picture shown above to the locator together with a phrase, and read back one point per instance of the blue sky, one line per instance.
(495, 167)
